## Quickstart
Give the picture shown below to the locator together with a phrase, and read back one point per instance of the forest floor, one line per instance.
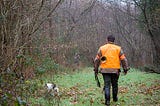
(79, 88)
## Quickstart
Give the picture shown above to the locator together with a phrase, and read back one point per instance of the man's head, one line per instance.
(110, 38)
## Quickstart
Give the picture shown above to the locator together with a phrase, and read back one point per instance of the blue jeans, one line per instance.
(110, 79)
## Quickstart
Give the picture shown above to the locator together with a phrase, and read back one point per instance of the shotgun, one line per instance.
(96, 75)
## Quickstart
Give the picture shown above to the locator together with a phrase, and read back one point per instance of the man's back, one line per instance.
(112, 53)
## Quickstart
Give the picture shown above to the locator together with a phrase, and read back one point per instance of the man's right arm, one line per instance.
(124, 62)
(97, 61)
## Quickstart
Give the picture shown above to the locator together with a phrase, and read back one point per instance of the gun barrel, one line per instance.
(97, 80)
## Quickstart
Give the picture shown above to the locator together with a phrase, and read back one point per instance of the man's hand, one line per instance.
(95, 71)
(126, 70)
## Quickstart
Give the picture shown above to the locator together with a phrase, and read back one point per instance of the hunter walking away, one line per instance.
(109, 58)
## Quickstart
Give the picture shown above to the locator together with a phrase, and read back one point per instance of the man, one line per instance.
(109, 58)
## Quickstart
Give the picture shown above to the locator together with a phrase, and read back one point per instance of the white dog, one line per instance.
(52, 89)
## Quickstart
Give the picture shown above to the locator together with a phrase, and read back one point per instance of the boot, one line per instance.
(107, 103)
(115, 99)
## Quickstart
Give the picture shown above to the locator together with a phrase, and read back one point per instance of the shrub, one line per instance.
(47, 65)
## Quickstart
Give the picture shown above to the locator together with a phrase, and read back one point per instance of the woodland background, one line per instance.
(37, 36)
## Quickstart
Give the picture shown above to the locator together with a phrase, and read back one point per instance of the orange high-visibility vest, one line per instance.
(112, 54)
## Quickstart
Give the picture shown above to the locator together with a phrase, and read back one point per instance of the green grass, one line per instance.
(79, 89)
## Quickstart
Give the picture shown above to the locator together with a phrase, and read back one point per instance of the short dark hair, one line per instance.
(111, 38)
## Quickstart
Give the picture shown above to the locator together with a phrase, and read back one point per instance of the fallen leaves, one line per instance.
(123, 89)
(75, 92)
(150, 90)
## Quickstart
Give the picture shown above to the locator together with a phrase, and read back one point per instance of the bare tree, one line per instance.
(20, 20)
(150, 17)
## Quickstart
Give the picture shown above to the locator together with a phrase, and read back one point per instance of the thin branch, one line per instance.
(89, 8)
(38, 13)
(49, 14)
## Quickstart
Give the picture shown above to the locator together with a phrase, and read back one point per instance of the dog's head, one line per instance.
(52, 86)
